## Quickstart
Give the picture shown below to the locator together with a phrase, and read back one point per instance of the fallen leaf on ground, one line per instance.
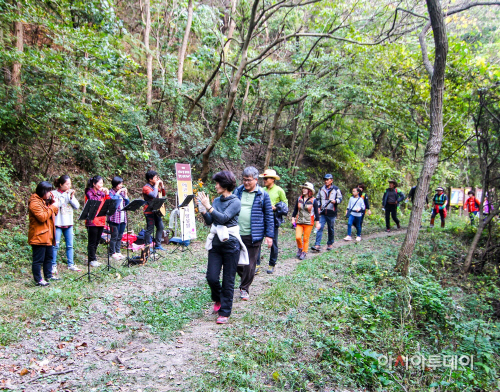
(24, 372)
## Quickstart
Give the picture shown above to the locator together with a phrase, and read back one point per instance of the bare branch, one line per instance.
(423, 47)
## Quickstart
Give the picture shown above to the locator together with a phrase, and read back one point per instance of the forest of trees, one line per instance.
(366, 90)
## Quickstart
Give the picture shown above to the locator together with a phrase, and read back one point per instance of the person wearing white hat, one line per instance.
(305, 215)
(277, 195)
(440, 200)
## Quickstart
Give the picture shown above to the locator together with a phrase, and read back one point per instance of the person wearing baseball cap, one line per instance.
(277, 195)
(329, 197)
(305, 215)
(390, 201)
(440, 201)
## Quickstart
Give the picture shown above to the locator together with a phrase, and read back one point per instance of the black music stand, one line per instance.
(181, 243)
(134, 205)
(154, 206)
(108, 208)
(89, 213)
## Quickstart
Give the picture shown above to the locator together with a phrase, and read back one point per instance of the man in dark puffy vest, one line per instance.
(256, 222)
(329, 196)
(390, 201)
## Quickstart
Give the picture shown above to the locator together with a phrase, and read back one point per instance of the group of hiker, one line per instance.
(240, 218)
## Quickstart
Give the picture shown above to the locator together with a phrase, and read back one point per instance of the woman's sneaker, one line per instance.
(73, 267)
(348, 238)
(299, 252)
(302, 256)
(54, 270)
(216, 307)
(116, 256)
(358, 239)
(42, 283)
(95, 263)
(222, 320)
(244, 295)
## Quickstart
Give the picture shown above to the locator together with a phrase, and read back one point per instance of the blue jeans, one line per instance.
(330, 221)
(68, 238)
(356, 220)
(117, 230)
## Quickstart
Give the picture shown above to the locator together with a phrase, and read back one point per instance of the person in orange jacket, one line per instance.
(95, 191)
(42, 208)
(472, 205)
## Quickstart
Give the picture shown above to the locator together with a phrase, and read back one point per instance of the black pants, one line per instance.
(153, 220)
(391, 210)
(42, 258)
(247, 272)
(94, 236)
(223, 256)
(117, 230)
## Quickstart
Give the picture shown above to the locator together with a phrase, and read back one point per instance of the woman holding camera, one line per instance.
(42, 207)
(64, 220)
(224, 247)
(95, 191)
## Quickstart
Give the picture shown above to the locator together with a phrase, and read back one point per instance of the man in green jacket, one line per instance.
(277, 194)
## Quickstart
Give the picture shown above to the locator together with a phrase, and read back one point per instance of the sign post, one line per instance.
(185, 188)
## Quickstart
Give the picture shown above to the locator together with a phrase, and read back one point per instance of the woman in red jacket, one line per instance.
(472, 205)
(42, 209)
(95, 191)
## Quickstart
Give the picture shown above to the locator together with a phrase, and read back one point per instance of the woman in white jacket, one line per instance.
(64, 220)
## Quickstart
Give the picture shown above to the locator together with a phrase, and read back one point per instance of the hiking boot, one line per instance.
(73, 267)
(95, 263)
(431, 226)
(42, 283)
(399, 226)
(257, 270)
(244, 295)
(216, 307)
(348, 238)
(316, 248)
(270, 270)
(222, 320)
(302, 256)
(299, 252)
(388, 230)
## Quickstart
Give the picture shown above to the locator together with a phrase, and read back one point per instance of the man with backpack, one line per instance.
(280, 208)
(256, 222)
(329, 196)
(390, 201)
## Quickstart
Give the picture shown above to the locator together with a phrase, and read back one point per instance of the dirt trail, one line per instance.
(102, 352)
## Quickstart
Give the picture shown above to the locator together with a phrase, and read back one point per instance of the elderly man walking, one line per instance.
(329, 197)
(277, 195)
(256, 221)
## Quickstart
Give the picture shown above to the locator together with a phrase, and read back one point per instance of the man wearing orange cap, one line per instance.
(277, 195)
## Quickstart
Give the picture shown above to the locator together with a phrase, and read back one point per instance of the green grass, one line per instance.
(327, 324)
(25, 308)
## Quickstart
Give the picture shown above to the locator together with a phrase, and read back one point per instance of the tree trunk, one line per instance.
(436, 133)
(149, 56)
(475, 240)
(183, 48)
(272, 132)
(16, 67)
(242, 114)
(294, 128)
(232, 94)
